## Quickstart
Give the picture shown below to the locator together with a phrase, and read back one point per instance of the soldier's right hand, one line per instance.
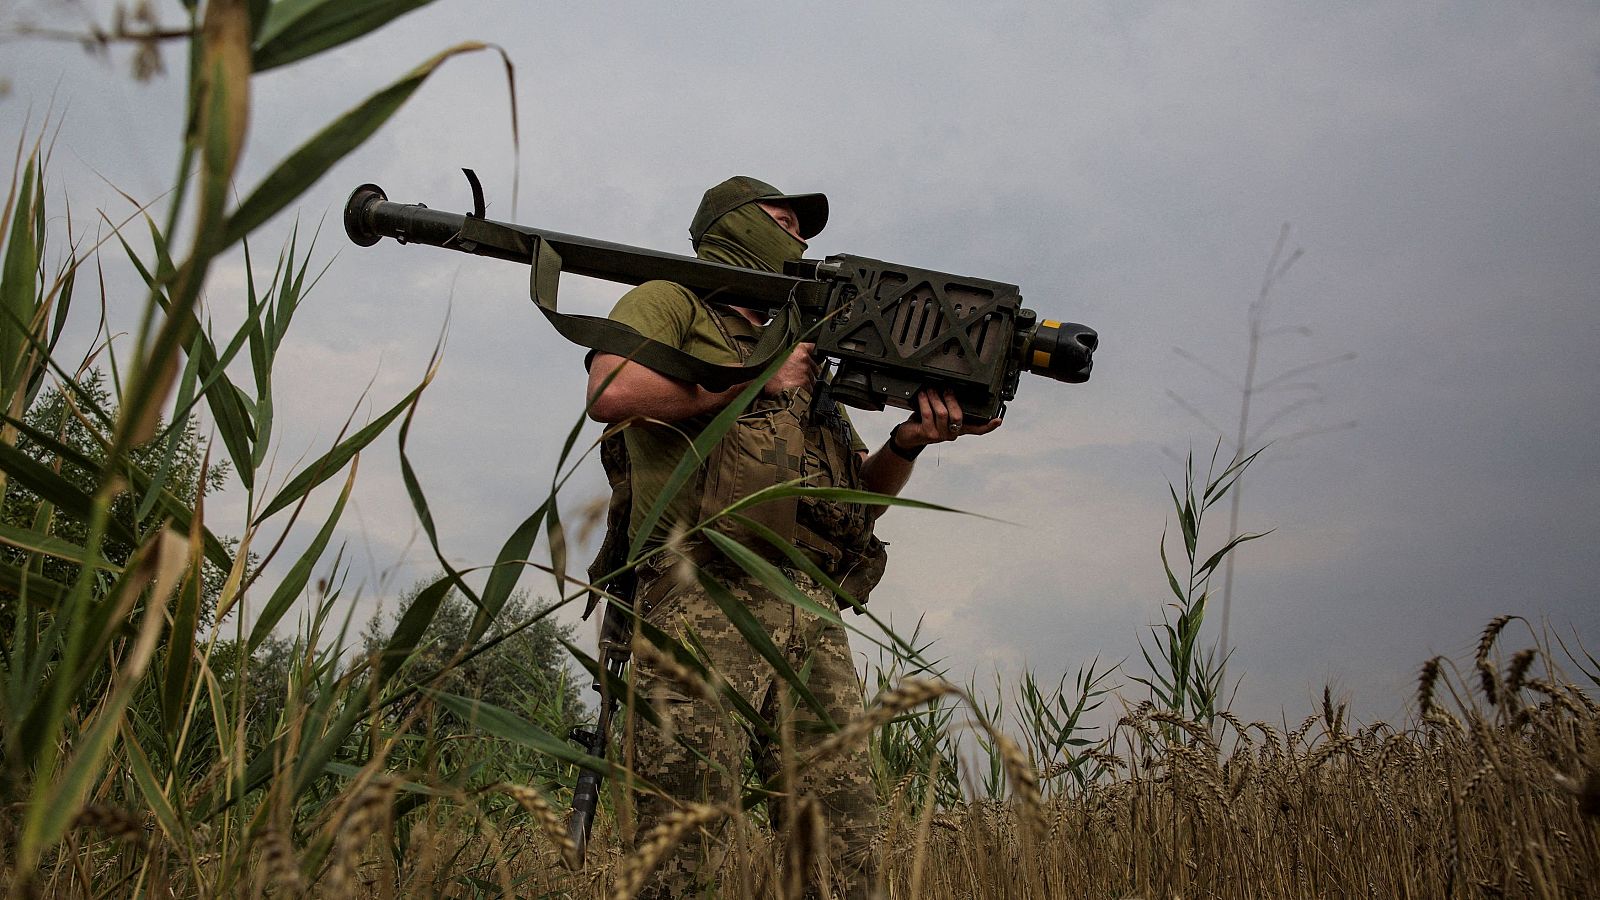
(798, 371)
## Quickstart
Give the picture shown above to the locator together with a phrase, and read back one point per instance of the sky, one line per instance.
(1131, 165)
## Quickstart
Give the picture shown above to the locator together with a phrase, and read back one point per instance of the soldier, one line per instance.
(783, 436)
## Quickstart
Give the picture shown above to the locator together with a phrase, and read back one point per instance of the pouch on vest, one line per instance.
(863, 569)
(764, 447)
(831, 461)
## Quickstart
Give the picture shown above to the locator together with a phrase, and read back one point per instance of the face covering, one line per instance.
(749, 238)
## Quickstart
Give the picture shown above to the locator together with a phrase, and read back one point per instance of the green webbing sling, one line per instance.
(606, 336)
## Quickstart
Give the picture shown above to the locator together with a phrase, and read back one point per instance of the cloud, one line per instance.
(1129, 166)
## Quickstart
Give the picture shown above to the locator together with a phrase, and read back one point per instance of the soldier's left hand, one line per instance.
(938, 418)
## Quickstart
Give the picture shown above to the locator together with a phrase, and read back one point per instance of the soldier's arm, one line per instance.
(638, 392)
(887, 470)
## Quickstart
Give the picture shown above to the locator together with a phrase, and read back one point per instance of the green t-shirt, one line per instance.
(671, 314)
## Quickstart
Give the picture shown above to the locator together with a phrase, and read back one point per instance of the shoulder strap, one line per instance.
(719, 316)
(606, 336)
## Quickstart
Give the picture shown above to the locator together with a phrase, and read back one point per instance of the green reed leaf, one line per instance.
(170, 442)
(19, 289)
(300, 574)
(21, 582)
(771, 577)
(1186, 520)
(1219, 486)
(699, 451)
(50, 486)
(150, 786)
(50, 545)
(179, 656)
(219, 117)
(350, 773)
(841, 495)
(899, 645)
(419, 501)
(555, 533)
(503, 723)
(292, 30)
(1217, 558)
(508, 569)
(556, 543)
(616, 688)
(315, 157)
(331, 462)
(686, 657)
(1172, 578)
(317, 751)
(172, 507)
(413, 624)
(58, 797)
(233, 420)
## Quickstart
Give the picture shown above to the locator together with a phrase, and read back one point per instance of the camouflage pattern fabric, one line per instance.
(841, 785)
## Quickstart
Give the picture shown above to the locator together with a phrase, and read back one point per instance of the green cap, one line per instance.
(810, 209)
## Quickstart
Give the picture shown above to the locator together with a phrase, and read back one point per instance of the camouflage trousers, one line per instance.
(698, 755)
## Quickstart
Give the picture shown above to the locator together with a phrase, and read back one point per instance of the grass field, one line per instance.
(1469, 799)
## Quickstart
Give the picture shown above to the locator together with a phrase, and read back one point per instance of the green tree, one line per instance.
(78, 420)
(526, 670)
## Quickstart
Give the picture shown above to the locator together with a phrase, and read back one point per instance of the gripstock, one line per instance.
(890, 329)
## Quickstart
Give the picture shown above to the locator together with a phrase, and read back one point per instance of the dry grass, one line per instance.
(1477, 808)
(1471, 799)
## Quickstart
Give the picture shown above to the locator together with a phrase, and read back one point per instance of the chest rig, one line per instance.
(797, 436)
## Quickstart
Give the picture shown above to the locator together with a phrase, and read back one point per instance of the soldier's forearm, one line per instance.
(886, 472)
(640, 393)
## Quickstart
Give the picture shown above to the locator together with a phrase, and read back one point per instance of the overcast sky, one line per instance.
(1129, 164)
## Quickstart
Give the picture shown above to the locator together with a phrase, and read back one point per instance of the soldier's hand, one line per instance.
(798, 371)
(938, 418)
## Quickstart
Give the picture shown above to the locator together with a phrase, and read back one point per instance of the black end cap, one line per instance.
(355, 219)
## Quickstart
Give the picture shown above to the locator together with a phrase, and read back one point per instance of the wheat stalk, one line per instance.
(668, 667)
(1517, 672)
(1024, 783)
(363, 817)
(550, 822)
(1486, 640)
(1425, 685)
(278, 862)
(803, 848)
(909, 694)
(120, 824)
(657, 843)
(1194, 729)
(1110, 761)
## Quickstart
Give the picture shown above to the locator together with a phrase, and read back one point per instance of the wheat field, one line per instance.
(1471, 798)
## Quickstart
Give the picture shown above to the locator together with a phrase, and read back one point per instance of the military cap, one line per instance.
(810, 209)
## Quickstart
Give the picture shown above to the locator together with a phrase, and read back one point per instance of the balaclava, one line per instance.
(750, 238)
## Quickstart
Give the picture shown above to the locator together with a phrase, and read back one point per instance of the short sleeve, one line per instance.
(659, 310)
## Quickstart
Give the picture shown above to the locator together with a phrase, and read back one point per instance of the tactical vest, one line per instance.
(777, 440)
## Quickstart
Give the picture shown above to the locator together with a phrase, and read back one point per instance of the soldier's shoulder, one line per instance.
(657, 289)
(653, 303)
